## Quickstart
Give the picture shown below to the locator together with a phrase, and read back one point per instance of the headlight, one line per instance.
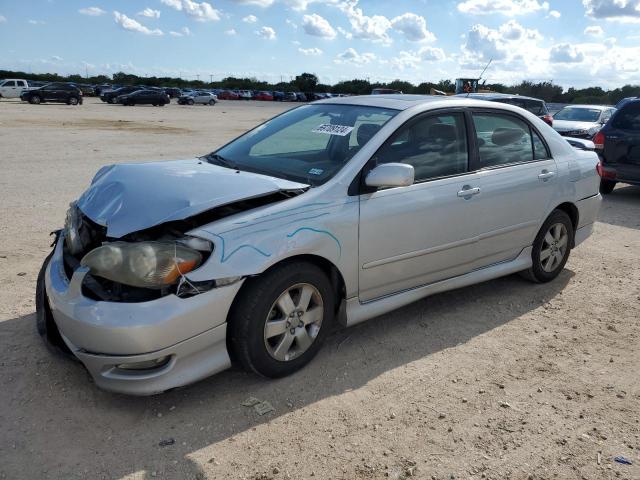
(142, 264)
(72, 229)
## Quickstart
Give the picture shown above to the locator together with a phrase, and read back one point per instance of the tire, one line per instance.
(113, 100)
(154, 104)
(35, 100)
(162, 104)
(212, 103)
(72, 101)
(190, 102)
(607, 186)
(44, 318)
(554, 239)
(256, 305)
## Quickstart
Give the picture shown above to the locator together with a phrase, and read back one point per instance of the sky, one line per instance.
(576, 43)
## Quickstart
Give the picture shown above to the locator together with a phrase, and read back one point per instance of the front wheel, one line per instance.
(35, 100)
(607, 186)
(72, 101)
(280, 319)
(212, 102)
(551, 248)
(113, 101)
(190, 102)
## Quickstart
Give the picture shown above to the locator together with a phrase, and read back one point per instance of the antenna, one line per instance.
(480, 77)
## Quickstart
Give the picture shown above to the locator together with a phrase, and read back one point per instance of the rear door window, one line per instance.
(9, 84)
(502, 140)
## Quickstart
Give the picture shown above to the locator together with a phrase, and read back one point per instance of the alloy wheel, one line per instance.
(293, 322)
(554, 247)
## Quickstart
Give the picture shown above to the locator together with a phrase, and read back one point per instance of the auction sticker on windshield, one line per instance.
(329, 129)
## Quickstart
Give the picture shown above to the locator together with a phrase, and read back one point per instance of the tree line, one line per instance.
(308, 82)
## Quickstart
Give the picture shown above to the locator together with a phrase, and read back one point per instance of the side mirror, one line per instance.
(390, 175)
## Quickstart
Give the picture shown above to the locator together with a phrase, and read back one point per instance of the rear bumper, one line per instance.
(588, 209)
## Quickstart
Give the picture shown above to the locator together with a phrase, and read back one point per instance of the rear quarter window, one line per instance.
(628, 118)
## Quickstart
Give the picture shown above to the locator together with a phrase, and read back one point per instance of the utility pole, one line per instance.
(210, 78)
(198, 77)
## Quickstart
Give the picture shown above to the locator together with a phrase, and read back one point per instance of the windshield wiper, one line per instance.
(220, 160)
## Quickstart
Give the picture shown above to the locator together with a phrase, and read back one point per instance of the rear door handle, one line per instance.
(468, 192)
(546, 175)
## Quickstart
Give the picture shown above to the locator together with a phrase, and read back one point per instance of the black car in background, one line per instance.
(173, 92)
(618, 146)
(153, 97)
(110, 96)
(53, 92)
(534, 105)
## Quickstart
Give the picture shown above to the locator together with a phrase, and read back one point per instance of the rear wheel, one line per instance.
(280, 319)
(190, 102)
(72, 101)
(551, 248)
(607, 186)
(113, 100)
(35, 100)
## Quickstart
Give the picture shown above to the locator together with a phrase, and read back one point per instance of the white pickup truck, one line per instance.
(12, 87)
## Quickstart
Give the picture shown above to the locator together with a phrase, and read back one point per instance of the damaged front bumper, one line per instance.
(140, 348)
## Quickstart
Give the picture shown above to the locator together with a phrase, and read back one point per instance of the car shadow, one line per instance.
(620, 207)
(52, 409)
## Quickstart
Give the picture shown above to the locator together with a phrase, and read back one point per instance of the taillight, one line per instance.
(598, 140)
(604, 173)
(548, 120)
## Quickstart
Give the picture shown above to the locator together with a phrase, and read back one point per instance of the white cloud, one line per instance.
(184, 32)
(3, 19)
(200, 12)
(92, 11)
(289, 22)
(149, 13)
(509, 8)
(301, 5)
(352, 56)
(413, 26)
(231, 32)
(133, 25)
(370, 28)
(594, 31)
(56, 58)
(616, 10)
(310, 51)
(257, 3)
(317, 26)
(36, 22)
(565, 53)
(554, 14)
(431, 54)
(345, 33)
(267, 33)
(250, 19)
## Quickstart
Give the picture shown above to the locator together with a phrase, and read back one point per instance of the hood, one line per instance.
(127, 198)
(569, 125)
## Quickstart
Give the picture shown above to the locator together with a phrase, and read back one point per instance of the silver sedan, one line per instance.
(337, 211)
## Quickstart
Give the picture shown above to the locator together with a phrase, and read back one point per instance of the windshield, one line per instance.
(308, 144)
(578, 114)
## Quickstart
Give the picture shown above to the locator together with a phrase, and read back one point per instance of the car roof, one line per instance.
(404, 102)
(598, 107)
(497, 96)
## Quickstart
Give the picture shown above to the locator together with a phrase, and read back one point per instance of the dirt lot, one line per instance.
(504, 380)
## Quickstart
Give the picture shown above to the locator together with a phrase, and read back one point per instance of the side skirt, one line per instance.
(357, 312)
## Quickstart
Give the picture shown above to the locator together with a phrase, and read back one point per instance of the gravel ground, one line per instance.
(503, 380)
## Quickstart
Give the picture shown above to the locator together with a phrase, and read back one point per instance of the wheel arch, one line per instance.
(571, 210)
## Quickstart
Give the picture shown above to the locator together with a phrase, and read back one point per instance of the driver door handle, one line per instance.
(468, 191)
(545, 175)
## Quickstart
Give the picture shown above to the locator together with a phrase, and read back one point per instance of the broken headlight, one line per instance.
(142, 264)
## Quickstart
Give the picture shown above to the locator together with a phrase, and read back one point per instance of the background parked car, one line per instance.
(245, 94)
(618, 146)
(264, 96)
(384, 91)
(228, 95)
(54, 92)
(289, 97)
(301, 97)
(534, 105)
(581, 121)
(201, 97)
(12, 87)
(625, 101)
(173, 92)
(110, 96)
(145, 97)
